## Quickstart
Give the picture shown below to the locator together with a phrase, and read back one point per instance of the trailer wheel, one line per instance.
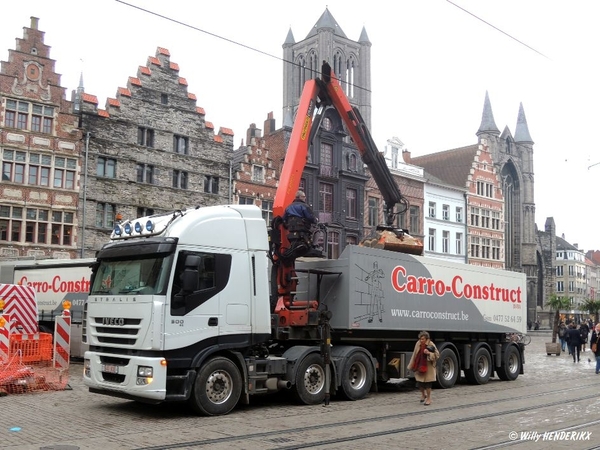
(310, 380)
(357, 376)
(481, 369)
(217, 388)
(511, 364)
(448, 370)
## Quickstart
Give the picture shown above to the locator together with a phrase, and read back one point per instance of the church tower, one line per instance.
(350, 61)
(333, 179)
(513, 157)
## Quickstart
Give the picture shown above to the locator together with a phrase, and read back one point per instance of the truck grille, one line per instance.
(124, 333)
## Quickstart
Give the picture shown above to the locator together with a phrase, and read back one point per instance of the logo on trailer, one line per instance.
(116, 321)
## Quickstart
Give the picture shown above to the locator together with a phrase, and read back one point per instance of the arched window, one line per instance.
(301, 75)
(349, 89)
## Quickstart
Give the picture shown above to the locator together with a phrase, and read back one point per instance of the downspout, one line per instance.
(85, 175)
(230, 181)
(466, 230)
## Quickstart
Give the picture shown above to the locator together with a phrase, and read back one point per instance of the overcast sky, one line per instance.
(432, 63)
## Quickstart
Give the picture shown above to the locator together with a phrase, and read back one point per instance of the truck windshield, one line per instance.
(144, 276)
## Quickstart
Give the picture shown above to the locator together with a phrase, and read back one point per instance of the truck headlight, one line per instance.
(144, 375)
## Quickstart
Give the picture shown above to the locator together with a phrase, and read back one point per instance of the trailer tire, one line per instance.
(309, 388)
(448, 370)
(481, 368)
(217, 388)
(357, 376)
(511, 364)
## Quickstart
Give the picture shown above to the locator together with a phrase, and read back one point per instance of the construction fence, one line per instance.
(32, 362)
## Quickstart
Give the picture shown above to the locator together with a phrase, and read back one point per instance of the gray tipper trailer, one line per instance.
(381, 300)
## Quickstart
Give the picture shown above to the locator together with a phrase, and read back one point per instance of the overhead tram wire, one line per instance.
(231, 41)
(497, 29)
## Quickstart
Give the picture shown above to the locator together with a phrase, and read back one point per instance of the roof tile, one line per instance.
(145, 70)
(103, 113)
(450, 166)
(136, 81)
(227, 131)
(208, 124)
(200, 110)
(219, 139)
(192, 96)
(124, 91)
(174, 66)
(183, 81)
(154, 61)
(88, 98)
(114, 102)
(163, 51)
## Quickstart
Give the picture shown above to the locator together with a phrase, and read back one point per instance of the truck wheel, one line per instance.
(217, 388)
(481, 369)
(448, 370)
(357, 376)
(310, 380)
(511, 364)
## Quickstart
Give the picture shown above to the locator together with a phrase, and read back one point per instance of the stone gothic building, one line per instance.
(149, 150)
(334, 178)
(513, 159)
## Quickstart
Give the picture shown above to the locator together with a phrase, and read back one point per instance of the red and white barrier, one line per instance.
(5, 338)
(62, 340)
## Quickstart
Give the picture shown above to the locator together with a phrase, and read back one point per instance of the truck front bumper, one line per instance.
(126, 376)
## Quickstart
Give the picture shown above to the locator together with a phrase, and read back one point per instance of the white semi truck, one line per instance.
(182, 307)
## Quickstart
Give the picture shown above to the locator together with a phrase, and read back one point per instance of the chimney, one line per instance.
(251, 133)
(406, 156)
(269, 126)
(34, 23)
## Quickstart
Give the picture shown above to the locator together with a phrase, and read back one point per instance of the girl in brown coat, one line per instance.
(422, 363)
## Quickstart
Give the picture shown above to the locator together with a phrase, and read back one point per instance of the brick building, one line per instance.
(472, 168)
(257, 165)
(40, 146)
(149, 150)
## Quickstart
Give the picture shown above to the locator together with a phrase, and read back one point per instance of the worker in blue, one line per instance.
(298, 218)
(299, 208)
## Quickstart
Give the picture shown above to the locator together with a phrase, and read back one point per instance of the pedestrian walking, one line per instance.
(562, 332)
(574, 342)
(584, 331)
(595, 346)
(422, 363)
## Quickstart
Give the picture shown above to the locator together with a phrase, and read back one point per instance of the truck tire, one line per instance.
(217, 388)
(357, 376)
(309, 388)
(481, 369)
(511, 364)
(448, 369)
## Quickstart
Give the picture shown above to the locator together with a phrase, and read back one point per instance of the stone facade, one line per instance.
(150, 150)
(40, 147)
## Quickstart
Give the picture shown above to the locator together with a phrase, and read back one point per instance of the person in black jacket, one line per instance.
(574, 341)
(596, 339)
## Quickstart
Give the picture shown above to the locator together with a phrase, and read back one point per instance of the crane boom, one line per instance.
(317, 95)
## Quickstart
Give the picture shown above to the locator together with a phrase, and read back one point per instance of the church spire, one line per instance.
(326, 21)
(364, 39)
(289, 40)
(522, 131)
(488, 125)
